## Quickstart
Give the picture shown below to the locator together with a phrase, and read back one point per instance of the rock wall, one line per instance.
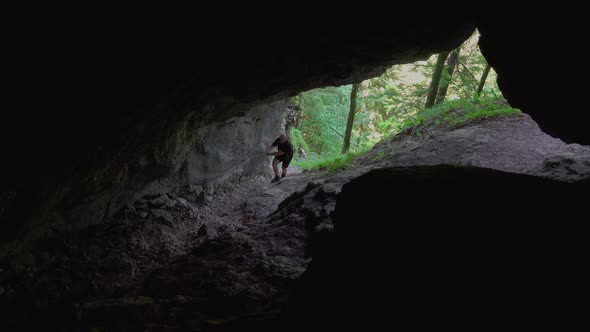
(513, 144)
(526, 50)
(235, 147)
(220, 153)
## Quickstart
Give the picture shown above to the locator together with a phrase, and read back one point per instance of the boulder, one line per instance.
(182, 202)
(163, 215)
(443, 247)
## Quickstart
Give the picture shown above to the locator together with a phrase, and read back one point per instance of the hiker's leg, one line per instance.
(275, 166)
(286, 165)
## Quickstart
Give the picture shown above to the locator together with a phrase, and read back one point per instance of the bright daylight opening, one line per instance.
(449, 89)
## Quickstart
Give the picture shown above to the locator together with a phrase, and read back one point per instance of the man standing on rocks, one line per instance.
(284, 155)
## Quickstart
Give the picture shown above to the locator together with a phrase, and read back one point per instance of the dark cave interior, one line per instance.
(99, 106)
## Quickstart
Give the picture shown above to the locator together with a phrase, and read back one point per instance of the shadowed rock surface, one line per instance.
(225, 257)
(512, 144)
(492, 251)
(525, 73)
(103, 110)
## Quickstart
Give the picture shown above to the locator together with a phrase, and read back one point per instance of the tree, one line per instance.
(438, 69)
(291, 118)
(360, 137)
(322, 118)
(483, 79)
(448, 75)
(386, 104)
(351, 114)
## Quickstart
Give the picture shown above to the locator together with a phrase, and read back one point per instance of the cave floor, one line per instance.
(224, 258)
(249, 244)
(221, 260)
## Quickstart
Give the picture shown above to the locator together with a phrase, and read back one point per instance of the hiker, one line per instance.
(284, 155)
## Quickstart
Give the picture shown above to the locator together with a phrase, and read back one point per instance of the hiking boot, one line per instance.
(283, 175)
(275, 179)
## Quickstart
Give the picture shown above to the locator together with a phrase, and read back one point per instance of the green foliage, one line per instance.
(410, 84)
(297, 140)
(324, 117)
(379, 156)
(392, 103)
(331, 163)
(458, 112)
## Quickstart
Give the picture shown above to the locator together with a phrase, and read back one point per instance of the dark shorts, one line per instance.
(285, 159)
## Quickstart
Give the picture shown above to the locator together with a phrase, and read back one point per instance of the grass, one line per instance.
(458, 112)
(297, 139)
(330, 163)
(379, 156)
(449, 114)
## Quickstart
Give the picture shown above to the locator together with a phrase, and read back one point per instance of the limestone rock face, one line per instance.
(512, 144)
(235, 147)
(217, 153)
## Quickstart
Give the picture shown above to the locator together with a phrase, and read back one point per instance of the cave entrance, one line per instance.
(329, 126)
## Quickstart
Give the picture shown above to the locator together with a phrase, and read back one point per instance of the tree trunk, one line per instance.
(358, 142)
(483, 79)
(433, 89)
(299, 118)
(448, 75)
(291, 120)
(350, 122)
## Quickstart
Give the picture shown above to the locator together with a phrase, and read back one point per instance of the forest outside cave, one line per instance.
(330, 126)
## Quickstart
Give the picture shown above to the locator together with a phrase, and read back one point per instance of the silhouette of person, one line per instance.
(283, 155)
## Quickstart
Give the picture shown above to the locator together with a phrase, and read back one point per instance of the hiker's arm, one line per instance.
(272, 146)
(278, 153)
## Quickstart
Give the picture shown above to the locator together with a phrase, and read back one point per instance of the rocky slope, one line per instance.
(224, 257)
(462, 247)
(513, 144)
